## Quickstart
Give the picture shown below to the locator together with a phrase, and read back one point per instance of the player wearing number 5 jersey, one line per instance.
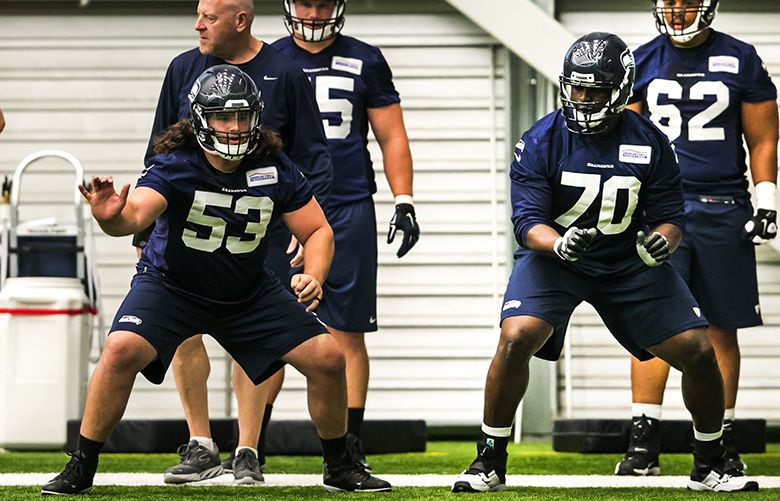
(597, 210)
(707, 91)
(354, 89)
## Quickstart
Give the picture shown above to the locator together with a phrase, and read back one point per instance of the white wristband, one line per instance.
(766, 195)
(404, 199)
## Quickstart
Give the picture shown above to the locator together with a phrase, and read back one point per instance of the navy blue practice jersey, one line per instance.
(694, 96)
(210, 240)
(618, 183)
(348, 77)
(289, 107)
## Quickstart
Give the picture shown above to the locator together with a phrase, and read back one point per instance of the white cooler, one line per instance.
(44, 352)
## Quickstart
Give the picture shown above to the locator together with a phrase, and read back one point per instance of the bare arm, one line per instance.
(760, 126)
(541, 238)
(2, 121)
(387, 123)
(312, 230)
(119, 214)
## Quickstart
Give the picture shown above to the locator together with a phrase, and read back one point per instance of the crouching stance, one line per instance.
(597, 210)
(217, 182)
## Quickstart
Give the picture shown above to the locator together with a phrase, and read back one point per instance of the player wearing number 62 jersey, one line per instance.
(707, 91)
(597, 210)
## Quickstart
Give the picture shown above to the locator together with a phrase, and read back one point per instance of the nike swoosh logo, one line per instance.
(517, 157)
(266, 77)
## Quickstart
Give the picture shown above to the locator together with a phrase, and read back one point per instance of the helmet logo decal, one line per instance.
(223, 81)
(588, 53)
(627, 59)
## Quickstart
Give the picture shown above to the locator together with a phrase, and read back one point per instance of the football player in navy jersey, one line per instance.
(597, 211)
(707, 91)
(354, 89)
(216, 183)
(224, 32)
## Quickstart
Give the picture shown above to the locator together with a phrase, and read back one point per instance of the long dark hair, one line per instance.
(181, 136)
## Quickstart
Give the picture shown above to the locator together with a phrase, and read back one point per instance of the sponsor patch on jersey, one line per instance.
(262, 176)
(635, 154)
(512, 304)
(726, 64)
(348, 64)
(130, 319)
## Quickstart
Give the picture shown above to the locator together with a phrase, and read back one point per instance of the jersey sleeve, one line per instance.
(639, 90)
(306, 143)
(758, 85)
(157, 175)
(379, 81)
(294, 190)
(531, 191)
(662, 193)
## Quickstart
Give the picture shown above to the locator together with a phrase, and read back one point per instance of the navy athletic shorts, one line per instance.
(640, 310)
(716, 263)
(349, 294)
(256, 333)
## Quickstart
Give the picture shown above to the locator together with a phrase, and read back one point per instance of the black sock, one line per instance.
(261, 443)
(90, 448)
(355, 420)
(334, 449)
(704, 449)
(498, 444)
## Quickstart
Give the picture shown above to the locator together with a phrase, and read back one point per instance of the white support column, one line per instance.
(523, 27)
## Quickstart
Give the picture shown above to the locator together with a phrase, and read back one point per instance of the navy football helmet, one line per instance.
(596, 62)
(225, 89)
(705, 13)
(314, 30)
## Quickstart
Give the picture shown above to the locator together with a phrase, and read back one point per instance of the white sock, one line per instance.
(206, 442)
(707, 437)
(497, 432)
(729, 414)
(649, 410)
(239, 449)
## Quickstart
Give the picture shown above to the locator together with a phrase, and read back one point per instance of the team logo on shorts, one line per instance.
(513, 303)
(130, 319)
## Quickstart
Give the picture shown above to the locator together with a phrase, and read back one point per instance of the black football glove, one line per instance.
(761, 228)
(404, 220)
(573, 244)
(652, 250)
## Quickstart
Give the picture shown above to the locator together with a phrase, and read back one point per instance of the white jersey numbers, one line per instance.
(341, 106)
(591, 184)
(670, 113)
(218, 225)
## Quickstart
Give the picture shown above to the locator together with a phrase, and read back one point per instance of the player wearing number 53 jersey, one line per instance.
(597, 210)
(218, 182)
(707, 91)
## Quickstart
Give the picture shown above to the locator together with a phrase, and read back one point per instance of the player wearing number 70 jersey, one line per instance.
(707, 91)
(597, 210)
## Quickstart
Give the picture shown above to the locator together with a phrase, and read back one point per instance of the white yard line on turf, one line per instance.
(279, 480)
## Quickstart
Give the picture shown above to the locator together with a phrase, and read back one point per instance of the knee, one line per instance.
(122, 354)
(520, 340)
(699, 355)
(332, 360)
